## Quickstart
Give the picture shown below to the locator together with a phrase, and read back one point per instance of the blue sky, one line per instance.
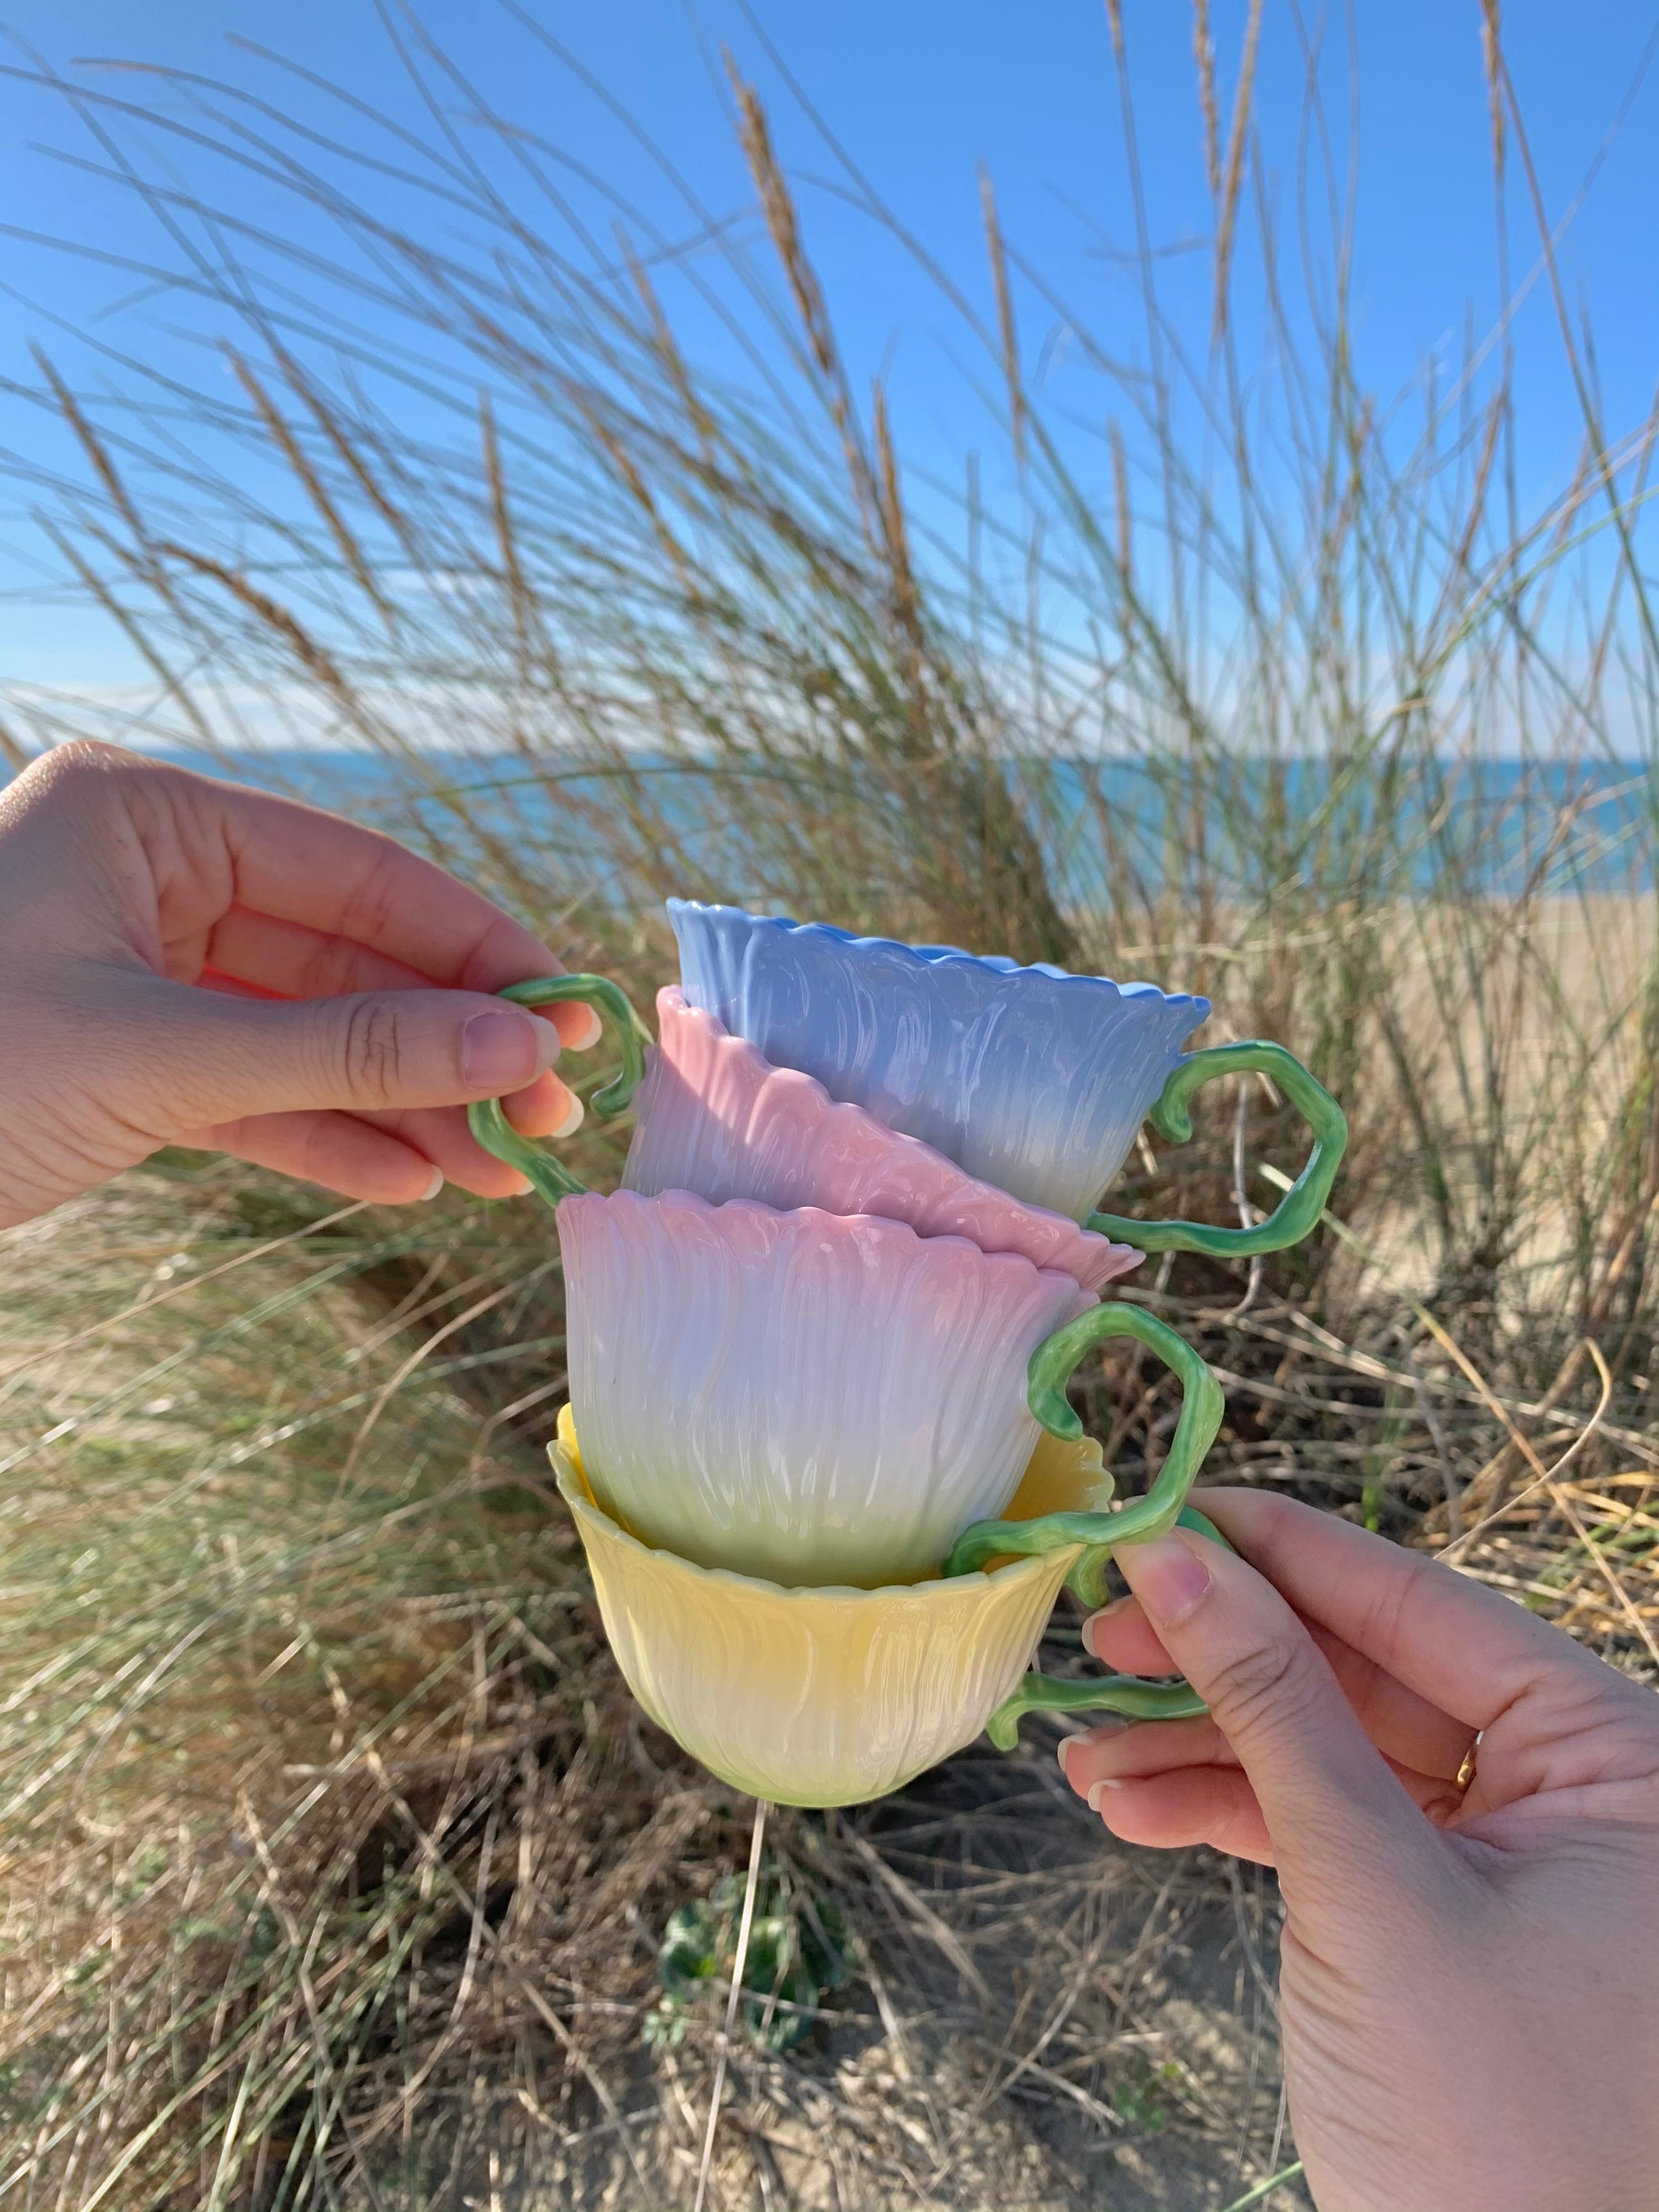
(919, 92)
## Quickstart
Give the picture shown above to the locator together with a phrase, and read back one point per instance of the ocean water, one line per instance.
(1491, 827)
(1496, 826)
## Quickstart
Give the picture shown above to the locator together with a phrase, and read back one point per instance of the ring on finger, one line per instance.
(1465, 1773)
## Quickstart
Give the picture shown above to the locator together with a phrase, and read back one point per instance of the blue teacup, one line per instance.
(1030, 1078)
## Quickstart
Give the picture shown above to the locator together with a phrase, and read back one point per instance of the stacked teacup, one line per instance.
(817, 1446)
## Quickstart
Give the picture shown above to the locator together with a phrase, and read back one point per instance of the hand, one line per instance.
(320, 1045)
(1470, 1981)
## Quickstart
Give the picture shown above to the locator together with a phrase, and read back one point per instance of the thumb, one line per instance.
(205, 1057)
(1328, 1798)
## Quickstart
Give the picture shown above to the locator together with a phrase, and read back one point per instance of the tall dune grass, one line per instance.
(334, 1859)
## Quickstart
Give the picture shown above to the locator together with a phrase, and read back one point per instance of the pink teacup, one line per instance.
(815, 1398)
(715, 1117)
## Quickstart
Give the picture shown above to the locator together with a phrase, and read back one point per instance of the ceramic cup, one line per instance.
(850, 1690)
(715, 1117)
(811, 1397)
(1029, 1078)
(833, 1696)
(817, 1697)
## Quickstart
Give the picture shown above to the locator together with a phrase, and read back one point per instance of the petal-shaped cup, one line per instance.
(715, 1117)
(1028, 1078)
(811, 1397)
(833, 1695)
(819, 1697)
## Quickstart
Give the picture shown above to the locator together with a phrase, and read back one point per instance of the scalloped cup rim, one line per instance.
(672, 1006)
(937, 956)
(842, 1224)
(573, 1488)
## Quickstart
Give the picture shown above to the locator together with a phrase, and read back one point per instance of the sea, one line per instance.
(1492, 828)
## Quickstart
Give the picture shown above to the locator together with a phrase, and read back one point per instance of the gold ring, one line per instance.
(1466, 1771)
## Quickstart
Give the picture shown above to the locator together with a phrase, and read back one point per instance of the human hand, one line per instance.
(1468, 1981)
(321, 1046)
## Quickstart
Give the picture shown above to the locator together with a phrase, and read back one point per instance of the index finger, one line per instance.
(1465, 1648)
(299, 864)
(1402, 1725)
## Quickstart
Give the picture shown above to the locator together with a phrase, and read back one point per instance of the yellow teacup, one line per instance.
(833, 1696)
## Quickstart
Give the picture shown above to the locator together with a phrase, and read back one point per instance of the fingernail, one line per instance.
(1114, 1724)
(573, 1121)
(1105, 1613)
(435, 1185)
(1169, 1580)
(539, 1016)
(1097, 1789)
(504, 1051)
(583, 1023)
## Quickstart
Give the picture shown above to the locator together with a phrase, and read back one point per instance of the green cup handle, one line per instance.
(1298, 1212)
(1165, 1505)
(491, 1127)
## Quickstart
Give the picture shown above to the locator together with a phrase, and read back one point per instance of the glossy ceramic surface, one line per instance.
(1029, 1078)
(807, 1396)
(490, 1124)
(825, 1696)
(715, 1117)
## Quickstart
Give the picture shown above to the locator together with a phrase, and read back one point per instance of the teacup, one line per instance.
(715, 1117)
(816, 1697)
(832, 1696)
(823, 1694)
(809, 1397)
(1030, 1078)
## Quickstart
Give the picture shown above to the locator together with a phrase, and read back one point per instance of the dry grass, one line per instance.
(334, 1858)
(337, 1857)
